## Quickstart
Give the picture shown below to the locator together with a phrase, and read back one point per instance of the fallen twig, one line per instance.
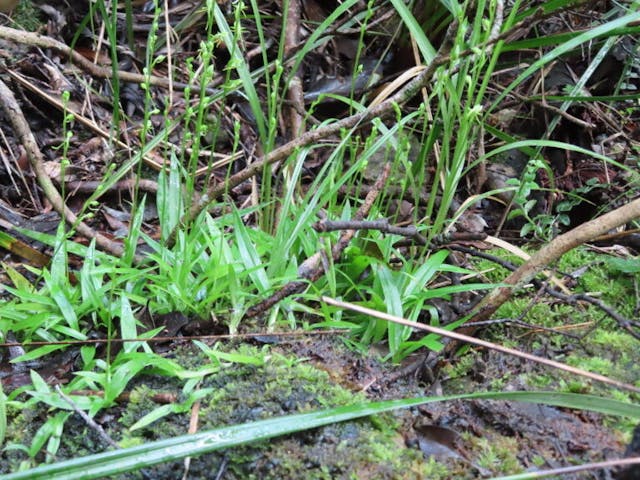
(104, 436)
(14, 113)
(312, 268)
(549, 254)
(295, 94)
(43, 41)
(475, 341)
(89, 186)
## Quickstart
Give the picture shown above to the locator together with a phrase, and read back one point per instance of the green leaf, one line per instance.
(19, 280)
(128, 325)
(396, 333)
(3, 416)
(168, 199)
(249, 255)
(625, 265)
(39, 384)
(50, 433)
(426, 272)
(426, 49)
(230, 357)
(152, 416)
(135, 458)
(37, 353)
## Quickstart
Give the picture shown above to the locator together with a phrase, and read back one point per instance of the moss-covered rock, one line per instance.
(275, 385)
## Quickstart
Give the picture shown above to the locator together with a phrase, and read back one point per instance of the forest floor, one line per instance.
(69, 113)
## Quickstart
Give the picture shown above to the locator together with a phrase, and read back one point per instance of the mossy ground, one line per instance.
(585, 272)
(367, 448)
(587, 337)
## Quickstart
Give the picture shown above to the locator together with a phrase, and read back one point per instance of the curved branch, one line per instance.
(550, 253)
(14, 113)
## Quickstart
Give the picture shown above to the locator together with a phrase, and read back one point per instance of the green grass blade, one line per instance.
(555, 144)
(238, 62)
(177, 448)
(602, 30)
(426, 49)
(3, 416)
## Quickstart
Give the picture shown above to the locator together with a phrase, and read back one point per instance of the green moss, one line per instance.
(610, 353)
(27, 16)
(538, 461)
(435, 470)
(460, 368)
(241, 393)
(592, 364)
(498, 455)
(19, 429)
(539, 381)
(622, 343)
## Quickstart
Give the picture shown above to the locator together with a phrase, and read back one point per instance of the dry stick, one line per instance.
(104, 436)
(381, 225)
(295, 93)
(35, 39)
(565, 471)
(312, 268)
(406, 93)
(556, 110)
(474, 341)
(622, 321)
(549, 254)
(90, 186)
(193, 428)
(14, 113)
(125, 397)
